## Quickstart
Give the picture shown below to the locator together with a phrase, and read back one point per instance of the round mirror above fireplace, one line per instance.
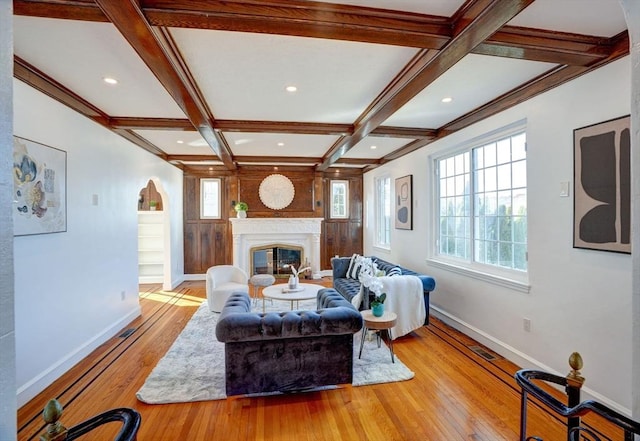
(276, 191)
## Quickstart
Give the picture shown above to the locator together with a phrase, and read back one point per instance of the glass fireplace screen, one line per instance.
(275, 259)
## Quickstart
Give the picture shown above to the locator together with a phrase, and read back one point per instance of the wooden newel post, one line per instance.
(54, 431)
(574, 383)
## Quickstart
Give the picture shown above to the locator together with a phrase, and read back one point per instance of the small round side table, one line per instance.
(258, 280)
(383, 323)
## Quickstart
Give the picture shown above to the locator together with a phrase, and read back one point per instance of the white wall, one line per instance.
(8, 402)
(68, 286)
(579, 300)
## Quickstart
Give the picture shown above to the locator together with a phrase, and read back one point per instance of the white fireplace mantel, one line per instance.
(254, 232)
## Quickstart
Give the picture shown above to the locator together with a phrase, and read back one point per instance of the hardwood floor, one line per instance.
(455, 394)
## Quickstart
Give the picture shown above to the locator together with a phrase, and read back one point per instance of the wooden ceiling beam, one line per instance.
(303, 128)
(477, 21)
(546, 46)
(136, 123)
(282, 127)
(404, 132)
(158, 55)
(303, 19)
(196, 158)
(357, 161)
(81, 10)
(278, 159)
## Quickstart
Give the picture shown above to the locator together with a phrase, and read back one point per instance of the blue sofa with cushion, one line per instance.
(350, 287)
(287, 351)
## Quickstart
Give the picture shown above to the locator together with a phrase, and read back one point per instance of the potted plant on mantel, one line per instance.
(241, 209)
(153, 205)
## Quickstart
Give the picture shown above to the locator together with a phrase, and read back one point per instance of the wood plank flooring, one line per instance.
(455, 394)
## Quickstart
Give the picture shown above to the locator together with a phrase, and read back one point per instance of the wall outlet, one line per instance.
(526, 324)
(122, 295)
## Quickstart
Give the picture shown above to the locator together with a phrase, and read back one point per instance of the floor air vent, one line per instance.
(127, 333)
(483, 353)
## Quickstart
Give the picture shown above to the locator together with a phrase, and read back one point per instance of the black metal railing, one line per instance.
(574, 409)
(129, 418)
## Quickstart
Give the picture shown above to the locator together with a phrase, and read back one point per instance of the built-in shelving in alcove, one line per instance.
(151, 235)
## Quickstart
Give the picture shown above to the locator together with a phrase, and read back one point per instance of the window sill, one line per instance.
(506, 282)
(384, 249)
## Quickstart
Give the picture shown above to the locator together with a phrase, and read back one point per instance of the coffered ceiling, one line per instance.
(202, 84)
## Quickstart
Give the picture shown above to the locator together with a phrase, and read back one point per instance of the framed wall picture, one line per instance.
(404, 203)
(39, 188)
(602, 182)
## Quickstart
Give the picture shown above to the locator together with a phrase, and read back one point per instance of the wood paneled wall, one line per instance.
(342, 237)
(209, 242)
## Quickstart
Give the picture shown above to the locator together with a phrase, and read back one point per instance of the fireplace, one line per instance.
(275, 259)
(293, 233)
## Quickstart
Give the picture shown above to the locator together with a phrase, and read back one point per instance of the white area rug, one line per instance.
(193, 368)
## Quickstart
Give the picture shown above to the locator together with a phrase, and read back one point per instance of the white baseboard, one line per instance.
(515, 356)
(195, 277)
(37, 384)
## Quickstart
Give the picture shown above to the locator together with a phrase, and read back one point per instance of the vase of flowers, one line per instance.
(369, 278)
(377, 304)
(241, 210)
(294, 278)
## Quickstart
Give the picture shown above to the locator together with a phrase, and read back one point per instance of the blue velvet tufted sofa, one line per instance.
(349, 288)
(287, 351)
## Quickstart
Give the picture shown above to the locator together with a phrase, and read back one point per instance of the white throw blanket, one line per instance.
(405, 298)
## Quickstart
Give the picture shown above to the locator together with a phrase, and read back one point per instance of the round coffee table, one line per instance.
(281, 292)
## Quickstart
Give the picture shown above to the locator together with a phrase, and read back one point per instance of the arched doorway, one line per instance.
(154, 238)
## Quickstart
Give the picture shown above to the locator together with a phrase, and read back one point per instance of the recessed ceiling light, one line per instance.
(180, 141)
(280, 144)
(447, 99)
(110, 80)
(373, 147)
(291, 89)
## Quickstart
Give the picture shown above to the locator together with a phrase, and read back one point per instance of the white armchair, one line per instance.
(222, 280)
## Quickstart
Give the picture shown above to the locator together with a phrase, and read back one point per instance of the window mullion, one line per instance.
(472, 203)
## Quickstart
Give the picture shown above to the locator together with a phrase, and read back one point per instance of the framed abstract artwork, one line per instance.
(404, 203)
(39, 188)
(602, 182)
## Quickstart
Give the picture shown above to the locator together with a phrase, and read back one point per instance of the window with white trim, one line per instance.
(383, 211)
(339, 199)
(482, 198)
(210, 198)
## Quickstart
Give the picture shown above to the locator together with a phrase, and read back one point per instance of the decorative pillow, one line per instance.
(395, 271)
(354, 267)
